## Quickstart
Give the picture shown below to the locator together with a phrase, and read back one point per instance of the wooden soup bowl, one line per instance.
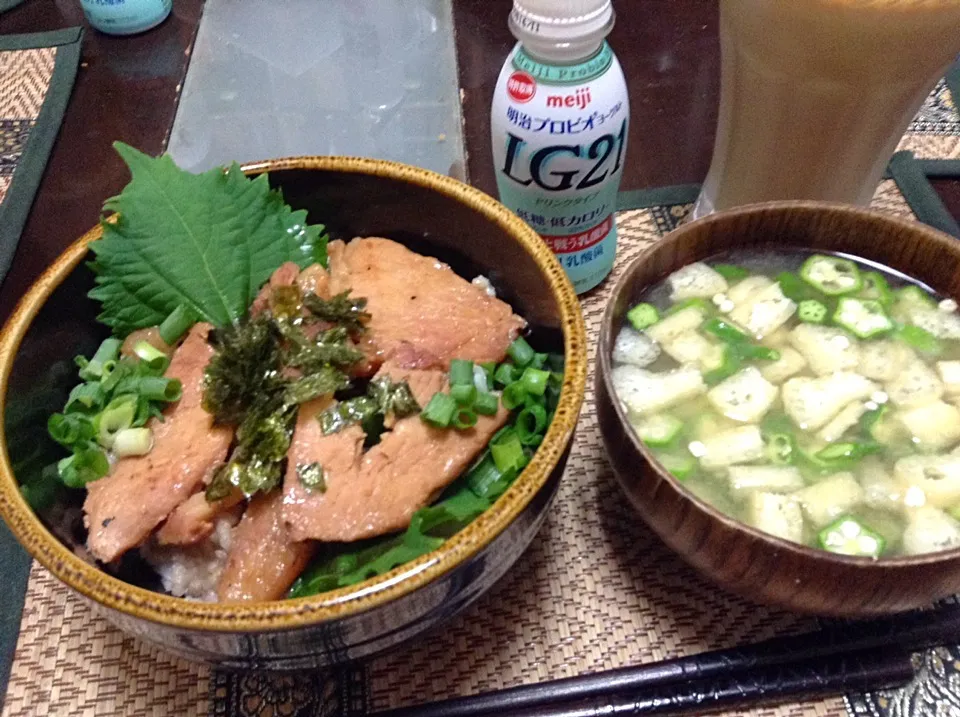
(740, 558)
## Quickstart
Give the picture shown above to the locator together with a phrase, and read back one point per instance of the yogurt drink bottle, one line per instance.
(559, 125)
(816, 94)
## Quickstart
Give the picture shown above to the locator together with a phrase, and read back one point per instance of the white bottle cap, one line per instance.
(559, 28)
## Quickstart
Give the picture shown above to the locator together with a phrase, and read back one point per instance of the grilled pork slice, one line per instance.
(312, 280)
(123, 508)
(418, 299)
(263, 562)
(195, 518)
(380, 491)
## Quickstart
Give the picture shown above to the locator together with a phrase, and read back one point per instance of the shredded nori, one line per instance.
(328, 348)
(246, 366)
(258, 461)
(384, 398)
(393, 398)
(312, 477)
(263, 369)
(340, 309)
(346, 413)
(306, 388)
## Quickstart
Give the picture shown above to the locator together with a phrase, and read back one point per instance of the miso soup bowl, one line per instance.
(737, 557)
(429, 213)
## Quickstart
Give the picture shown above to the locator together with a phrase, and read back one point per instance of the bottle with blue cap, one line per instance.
(559, 125)
(125, 17)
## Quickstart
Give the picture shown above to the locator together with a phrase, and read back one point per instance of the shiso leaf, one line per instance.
(207, 241)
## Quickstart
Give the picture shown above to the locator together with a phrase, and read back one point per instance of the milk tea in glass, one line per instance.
(816, 94)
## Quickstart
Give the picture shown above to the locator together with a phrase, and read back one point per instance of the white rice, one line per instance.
(193, 571)
(484, 283)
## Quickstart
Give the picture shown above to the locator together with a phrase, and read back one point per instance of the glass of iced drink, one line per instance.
(816, 94)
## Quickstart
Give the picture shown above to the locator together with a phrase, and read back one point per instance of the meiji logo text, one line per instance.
(580, 99)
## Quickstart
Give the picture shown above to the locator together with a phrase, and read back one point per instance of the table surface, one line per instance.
(128, 88)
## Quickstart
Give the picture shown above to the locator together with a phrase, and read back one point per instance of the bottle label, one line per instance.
(559, 141)
(564, 74)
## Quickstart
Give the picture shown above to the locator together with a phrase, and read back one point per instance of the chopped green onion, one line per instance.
(514, 395)
(70, 429)
(556, 363)
(84, 466)
(506, 374)
(552, 397)
(508, 453)
(531, 400)
(539, 360)
(919, 339)
(116, 417)
(464, 418)
(811, 311)
(530, 424)
(731, 272)
(40, 491)
(464, 395)
(176, 325)
(643, 316)
(108, 351)
(534, 381)
(84, 397)
(153, 357)
(461, 372)
(158, 388)
(486, 404)
(485, 480)
(502, 434)
(440, 410)
(521, 352)
(489, 368)
(146, 410)
(132, 442)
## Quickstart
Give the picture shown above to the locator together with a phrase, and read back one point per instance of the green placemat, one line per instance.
(36, 76)
(8, 4)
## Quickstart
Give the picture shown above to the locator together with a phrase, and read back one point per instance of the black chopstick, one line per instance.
(899, 634)
(771, 685)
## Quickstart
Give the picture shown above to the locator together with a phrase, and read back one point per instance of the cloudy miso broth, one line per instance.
(815, 397)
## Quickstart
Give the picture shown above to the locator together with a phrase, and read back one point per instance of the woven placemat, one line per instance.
(595, 590)
(36, 77)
